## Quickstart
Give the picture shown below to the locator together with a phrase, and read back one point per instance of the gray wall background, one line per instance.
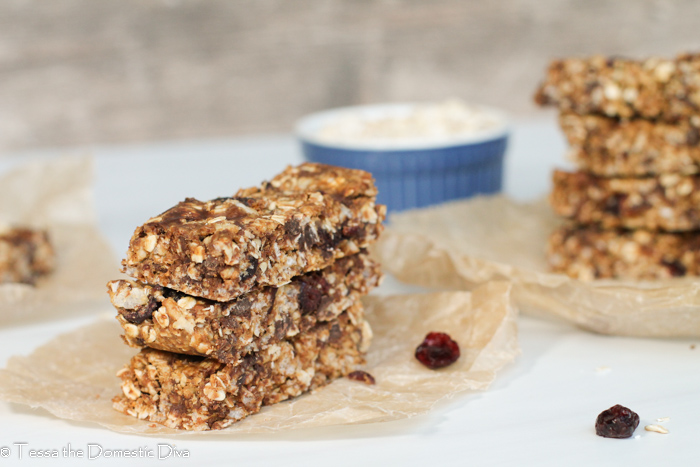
(76, 72)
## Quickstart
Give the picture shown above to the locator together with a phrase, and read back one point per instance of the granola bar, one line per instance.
(194, 393)
(589, 252)
(654, 88)
(25, 255)
(302, 220)
(631, 148)
(669, 202)
(226, 331)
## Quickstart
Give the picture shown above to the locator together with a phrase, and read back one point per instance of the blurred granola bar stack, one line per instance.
(633, 205)
(26, 254)
(247, 301)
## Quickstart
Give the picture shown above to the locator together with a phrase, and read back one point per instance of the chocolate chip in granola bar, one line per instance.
(613, 204)
(675, 268)
(309, 237)
(354, 231)
(293, 228)
(142, 313)
(616, 422)
(221, 199)
(171, 293)
(362, 376)
(335, 334)
(328, 241)
(184, 211)
(247, 200)
(282, 325)
(178, 404)
(437, 350)
(250, 270)
(241, 308)
(309, 298)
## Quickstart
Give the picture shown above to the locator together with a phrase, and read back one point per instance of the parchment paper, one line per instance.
(462, 244)
(57, 195)
(73, 376)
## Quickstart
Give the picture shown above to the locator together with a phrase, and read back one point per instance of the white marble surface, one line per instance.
(540, 410)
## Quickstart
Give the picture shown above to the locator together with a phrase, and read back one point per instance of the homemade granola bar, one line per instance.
(669, 202)
(630, 148)
(25, 255)
(168, 320)
(302, 220)
(654, 88)
(193, 393)
(589, 253)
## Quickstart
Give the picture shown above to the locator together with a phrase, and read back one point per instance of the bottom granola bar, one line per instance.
(589, 253)
(194, 393)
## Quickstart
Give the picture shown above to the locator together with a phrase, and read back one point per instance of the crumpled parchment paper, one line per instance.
(73, 376)
(462, 244)
(57, 195)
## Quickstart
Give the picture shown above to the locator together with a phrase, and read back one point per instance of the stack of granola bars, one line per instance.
(634, 203)
(246, 301)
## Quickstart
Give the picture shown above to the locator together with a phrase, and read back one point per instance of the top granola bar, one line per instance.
(654, 88)
(300, 221)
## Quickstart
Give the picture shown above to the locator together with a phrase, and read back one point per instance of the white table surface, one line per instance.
(540, 410)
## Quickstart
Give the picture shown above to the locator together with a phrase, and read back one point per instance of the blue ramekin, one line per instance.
(415, 175)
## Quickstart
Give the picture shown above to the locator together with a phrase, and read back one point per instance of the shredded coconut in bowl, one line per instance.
(406, 124)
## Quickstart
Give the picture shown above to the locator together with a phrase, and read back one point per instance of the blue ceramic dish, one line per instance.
(415, 174)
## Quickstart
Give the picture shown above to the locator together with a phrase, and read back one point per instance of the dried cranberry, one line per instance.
(437, 350)
(616, 422)
(309, 298)
(361, 376)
